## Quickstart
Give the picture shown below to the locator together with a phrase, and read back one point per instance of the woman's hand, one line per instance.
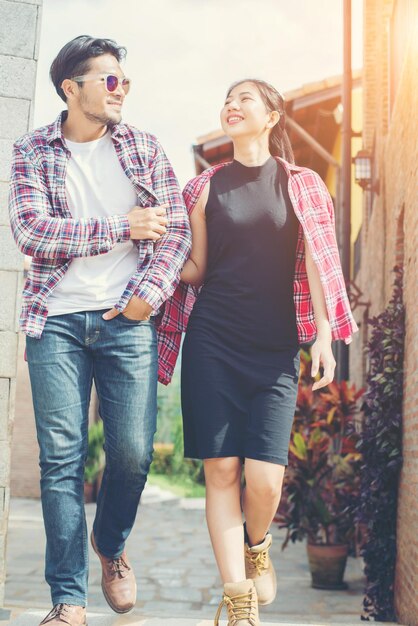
(321, 353)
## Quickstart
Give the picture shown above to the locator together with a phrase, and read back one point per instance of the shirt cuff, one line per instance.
(152, 294)
(119, 228)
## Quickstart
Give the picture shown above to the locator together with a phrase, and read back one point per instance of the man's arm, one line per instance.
(172, 249)
(40, 235)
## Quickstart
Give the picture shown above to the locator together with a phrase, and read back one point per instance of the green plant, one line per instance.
(169, 458)
(169, 409)
(169, 452)
(322, 480)
(95, 460)
(381, 448)
(192, 468)
(162, 457)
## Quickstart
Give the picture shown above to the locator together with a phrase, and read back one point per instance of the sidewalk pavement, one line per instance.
(177, 577)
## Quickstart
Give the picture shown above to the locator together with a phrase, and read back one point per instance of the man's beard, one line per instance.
(103, 120)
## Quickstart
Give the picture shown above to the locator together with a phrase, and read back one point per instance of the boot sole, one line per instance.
(119, 611)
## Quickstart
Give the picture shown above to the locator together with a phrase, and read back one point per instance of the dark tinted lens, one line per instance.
(111, 82)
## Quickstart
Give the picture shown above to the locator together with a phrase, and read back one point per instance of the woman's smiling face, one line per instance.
(244, 112)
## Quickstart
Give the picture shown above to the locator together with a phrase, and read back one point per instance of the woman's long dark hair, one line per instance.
(279, 143)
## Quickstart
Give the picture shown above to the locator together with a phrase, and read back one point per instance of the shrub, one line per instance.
(380, 445)
(169, 458)
(95, 461)
(322, 480)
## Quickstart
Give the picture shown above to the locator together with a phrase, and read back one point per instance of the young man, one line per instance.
(97, 206)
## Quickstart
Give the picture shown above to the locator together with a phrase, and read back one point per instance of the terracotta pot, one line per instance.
(327, 564)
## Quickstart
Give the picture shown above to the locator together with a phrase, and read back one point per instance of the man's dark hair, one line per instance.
(73, 59)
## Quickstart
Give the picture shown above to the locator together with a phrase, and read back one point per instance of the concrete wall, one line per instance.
(19, 40)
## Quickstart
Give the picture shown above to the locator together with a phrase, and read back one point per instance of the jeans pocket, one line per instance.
(131, 322)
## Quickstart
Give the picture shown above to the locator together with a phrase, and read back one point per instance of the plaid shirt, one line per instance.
(315, 211)
(44, 229)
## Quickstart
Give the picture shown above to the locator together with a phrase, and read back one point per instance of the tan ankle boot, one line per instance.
(259, 568)
(240, 600)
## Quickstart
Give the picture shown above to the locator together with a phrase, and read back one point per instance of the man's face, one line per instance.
(93, 99)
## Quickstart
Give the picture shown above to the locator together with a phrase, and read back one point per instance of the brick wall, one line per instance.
(19, 36)
(390, 236)
(401, 196)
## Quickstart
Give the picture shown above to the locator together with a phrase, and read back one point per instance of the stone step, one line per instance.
(32, 618)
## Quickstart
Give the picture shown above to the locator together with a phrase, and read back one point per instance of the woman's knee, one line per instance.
(266, 485)
(222, 473)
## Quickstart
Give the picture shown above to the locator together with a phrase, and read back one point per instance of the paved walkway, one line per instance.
(171, 554)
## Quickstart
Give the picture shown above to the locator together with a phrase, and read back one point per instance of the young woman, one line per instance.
(264, 250)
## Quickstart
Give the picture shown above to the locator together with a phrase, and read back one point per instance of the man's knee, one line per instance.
(62, 456)
(133, 460)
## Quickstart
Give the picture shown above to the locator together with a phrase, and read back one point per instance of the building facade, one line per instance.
(389, 237)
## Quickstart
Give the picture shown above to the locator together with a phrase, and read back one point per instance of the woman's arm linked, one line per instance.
(194, 269)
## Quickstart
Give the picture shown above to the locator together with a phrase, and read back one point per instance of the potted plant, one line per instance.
(95, 461)
(322, 480)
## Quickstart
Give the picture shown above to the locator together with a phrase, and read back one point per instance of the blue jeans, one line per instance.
(121, 357)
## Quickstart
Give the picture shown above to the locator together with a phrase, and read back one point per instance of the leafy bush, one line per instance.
(322, 480)
(161, 462)
(95, 461)
(169, 408)
(169, 458)
(380, 445)
(192, 468)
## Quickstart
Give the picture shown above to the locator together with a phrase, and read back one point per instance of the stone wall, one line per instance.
(19, 41)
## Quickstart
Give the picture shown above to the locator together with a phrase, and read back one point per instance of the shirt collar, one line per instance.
(289, 167)
(55, 130)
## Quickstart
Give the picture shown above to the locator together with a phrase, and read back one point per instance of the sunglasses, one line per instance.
(111, 82)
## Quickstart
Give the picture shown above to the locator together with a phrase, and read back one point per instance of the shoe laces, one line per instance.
(240, 607)
(59, 611)
(118, 567)
(258, 561)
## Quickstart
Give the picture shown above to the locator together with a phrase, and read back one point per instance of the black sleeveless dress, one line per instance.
(240, 358)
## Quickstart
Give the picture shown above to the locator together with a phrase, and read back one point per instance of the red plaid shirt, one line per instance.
(315, 211)
(44, 229)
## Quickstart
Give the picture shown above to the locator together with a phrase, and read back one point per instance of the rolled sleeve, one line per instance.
(172, 250)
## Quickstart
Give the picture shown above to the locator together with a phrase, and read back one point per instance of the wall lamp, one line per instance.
(363, 171)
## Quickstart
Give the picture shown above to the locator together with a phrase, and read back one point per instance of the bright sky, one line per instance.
(183, 55)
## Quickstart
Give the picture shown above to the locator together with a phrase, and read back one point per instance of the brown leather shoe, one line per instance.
(118, 581)
(66, 614)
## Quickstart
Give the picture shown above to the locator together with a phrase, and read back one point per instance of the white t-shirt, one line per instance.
(96, 186)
